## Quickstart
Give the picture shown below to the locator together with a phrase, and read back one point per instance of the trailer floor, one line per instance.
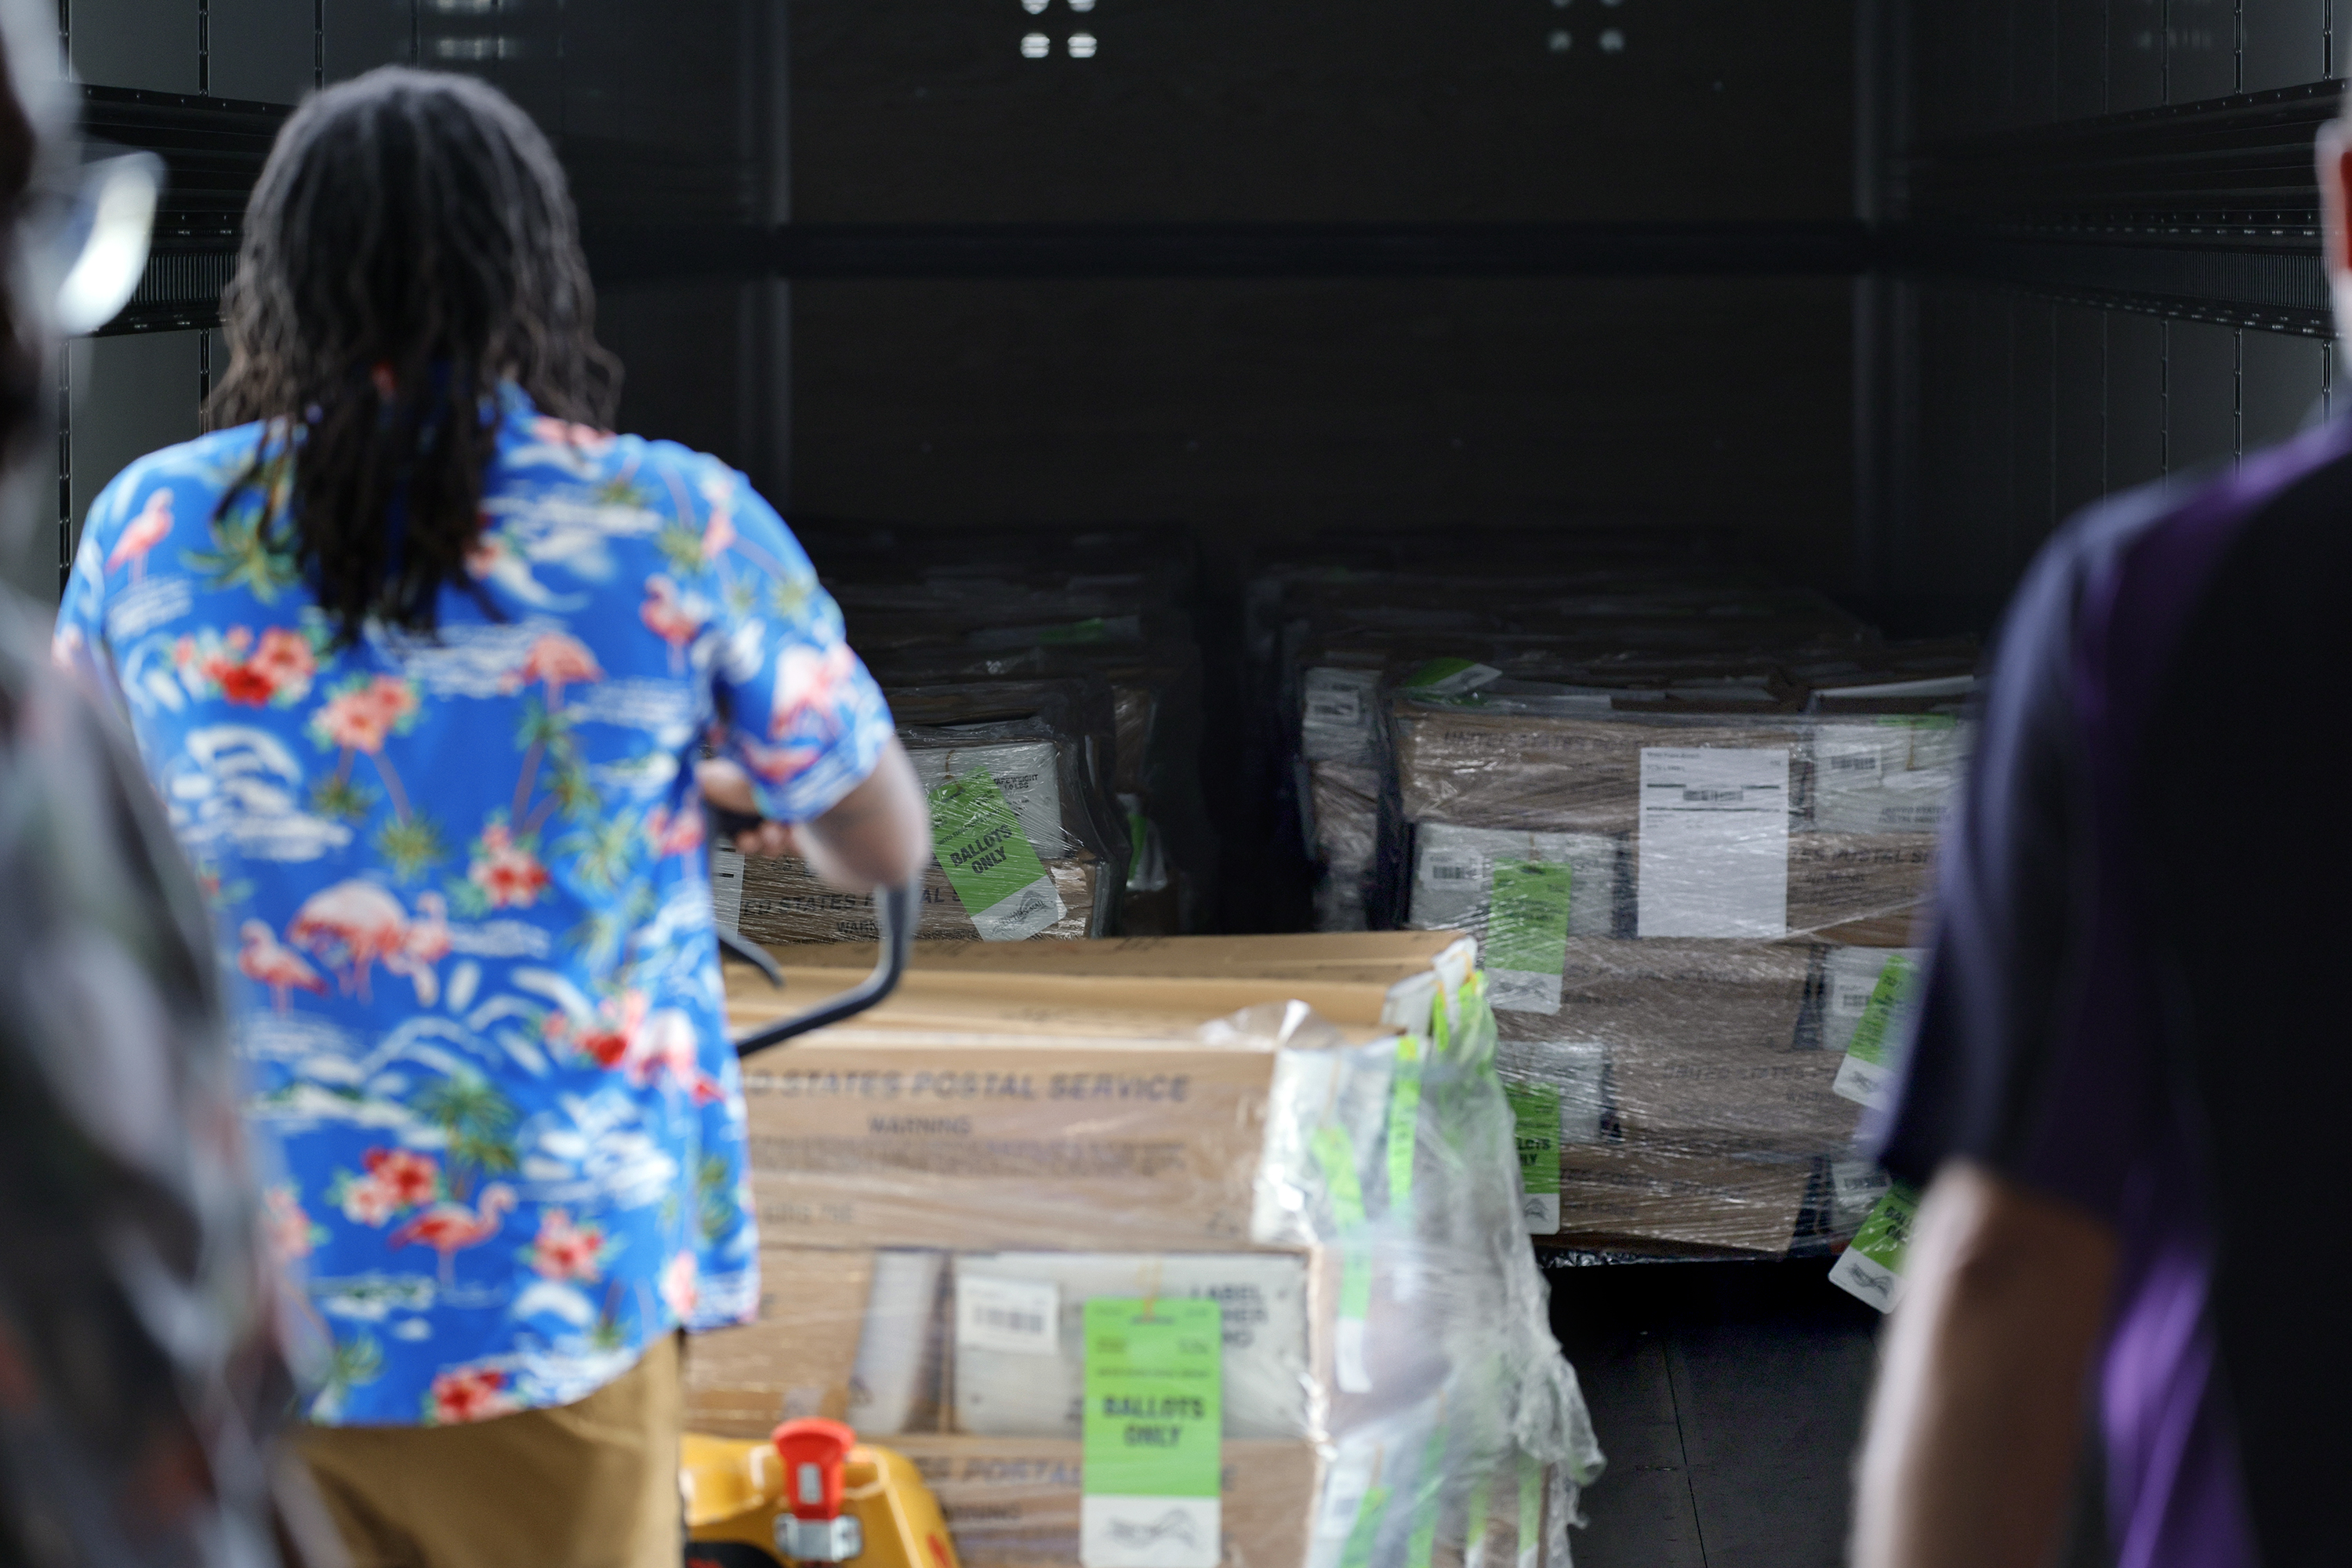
(1728, 1397)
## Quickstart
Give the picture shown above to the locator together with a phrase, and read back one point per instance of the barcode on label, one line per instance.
(1854, 763)
(1012, 1322)
(1704, 796)
(1335, 707)
(1451, 867)
(1020, 1316)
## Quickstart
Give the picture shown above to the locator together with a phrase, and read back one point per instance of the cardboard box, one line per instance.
(1274, 954)
(1012, 1502)
(1863, 890)
(1703, 1044)
(783, 903)
(1017, 1327)
(854, 1336)
(993, 1111)
(1617, 1197)
(983, 1141)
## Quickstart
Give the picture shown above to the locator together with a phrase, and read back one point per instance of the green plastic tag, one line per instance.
(1450, 677)
(1154, 1421)
(1404, 1120)
(989, 860)
(1139, 832)
(1887, 1233)
(1429, 1490)
(1535, 1111)
(1527, 922)
(1370, 1509)
(1869, 1043)
(1086, 631)
(1335, 1152)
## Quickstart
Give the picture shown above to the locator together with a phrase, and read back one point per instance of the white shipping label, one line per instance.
(727, 886)
(1855, 1187)
(1336, 721)
(1522, 991)
(1714, 853)
(1889, 778)
(1864, 1083)
(1020, 1316)
(1445, 869)
(1353, 1367)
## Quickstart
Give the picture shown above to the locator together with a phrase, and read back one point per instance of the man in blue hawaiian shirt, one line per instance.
(421, 660)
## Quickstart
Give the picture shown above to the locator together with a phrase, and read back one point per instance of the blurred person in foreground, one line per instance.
(141, 1380)
(422, 659)
(2128, 1082)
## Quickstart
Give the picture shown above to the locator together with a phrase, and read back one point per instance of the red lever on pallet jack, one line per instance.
(815, 1529)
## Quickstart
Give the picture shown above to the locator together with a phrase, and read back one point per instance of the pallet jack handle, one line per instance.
(895, 910)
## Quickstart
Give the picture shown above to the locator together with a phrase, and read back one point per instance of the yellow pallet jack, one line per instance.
(813, 1493)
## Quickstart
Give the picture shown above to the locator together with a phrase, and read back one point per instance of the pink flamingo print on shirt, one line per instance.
(262, 957)
(424, 944)
(676, 618)
(147, 531)
(554, 659)
(449, 1229)
(679, 834)
(356, 924)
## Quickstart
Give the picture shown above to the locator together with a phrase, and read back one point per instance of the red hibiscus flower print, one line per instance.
(468, 1393)
(510, 876)
(565, 1251)
(410, 1179)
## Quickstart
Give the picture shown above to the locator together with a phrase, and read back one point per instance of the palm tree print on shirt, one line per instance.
(362, 712)
(555, 660)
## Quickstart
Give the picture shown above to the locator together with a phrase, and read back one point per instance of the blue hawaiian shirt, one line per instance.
(460, 884)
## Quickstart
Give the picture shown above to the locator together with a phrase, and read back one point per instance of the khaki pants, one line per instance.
(591, 1485)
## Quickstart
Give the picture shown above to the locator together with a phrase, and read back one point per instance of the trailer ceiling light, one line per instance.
(1559, 41)
(1082, 45)
(1035, 7)
(1613, 42)
(1035, 46)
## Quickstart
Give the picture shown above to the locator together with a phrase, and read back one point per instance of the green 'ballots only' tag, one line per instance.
(1869, 1042)
(989, 861)
(1527, 934)
(1872, 1266)
(1534, 1110)
(1153, 1426)
(1450, 677)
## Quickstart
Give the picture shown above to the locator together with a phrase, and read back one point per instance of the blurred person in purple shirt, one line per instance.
(2127, 1086)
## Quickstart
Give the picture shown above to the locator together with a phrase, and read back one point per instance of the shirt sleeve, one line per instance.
(800, 712)
(2028, 1050)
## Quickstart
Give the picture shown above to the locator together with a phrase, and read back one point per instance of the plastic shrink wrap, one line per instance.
(946, 1185)
(928, 606)
(1693, 926)
(1027, 844)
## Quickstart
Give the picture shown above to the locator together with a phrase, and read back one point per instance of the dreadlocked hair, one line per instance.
(410, 246)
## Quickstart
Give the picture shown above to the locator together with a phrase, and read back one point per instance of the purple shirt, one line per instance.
(2065, 1033)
